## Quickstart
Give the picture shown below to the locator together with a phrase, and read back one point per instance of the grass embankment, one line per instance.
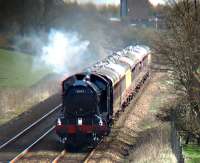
(191, 153)
(16, 70)
(19, 75)
(139, 34)
(153, 144)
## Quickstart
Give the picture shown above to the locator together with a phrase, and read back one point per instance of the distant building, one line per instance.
(135, 10)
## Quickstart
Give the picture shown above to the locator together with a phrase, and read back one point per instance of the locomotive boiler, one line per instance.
(91, 98)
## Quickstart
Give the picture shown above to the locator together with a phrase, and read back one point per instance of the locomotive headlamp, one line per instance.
(59, 122)
(100, 122)
(80, 121)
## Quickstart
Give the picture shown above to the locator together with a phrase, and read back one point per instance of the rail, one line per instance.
(24, 152)
(30, 127)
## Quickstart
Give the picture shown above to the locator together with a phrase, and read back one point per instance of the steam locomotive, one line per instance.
(92, 98)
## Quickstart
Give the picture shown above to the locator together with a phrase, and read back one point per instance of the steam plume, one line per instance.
(65, 52)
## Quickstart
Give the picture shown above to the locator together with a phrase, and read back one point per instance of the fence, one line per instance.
(176, 142)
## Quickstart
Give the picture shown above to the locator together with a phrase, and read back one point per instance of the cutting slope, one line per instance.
(16, 69)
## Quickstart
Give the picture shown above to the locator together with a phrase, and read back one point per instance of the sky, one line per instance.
(156, 2)
(116, 2)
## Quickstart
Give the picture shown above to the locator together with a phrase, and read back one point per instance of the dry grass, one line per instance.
(153, 146)
(153, 143)
(15, 101)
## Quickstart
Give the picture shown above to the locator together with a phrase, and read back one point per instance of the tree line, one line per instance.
(27, 15)
(179, 47)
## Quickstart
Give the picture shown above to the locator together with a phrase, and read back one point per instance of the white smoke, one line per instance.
(65, 52)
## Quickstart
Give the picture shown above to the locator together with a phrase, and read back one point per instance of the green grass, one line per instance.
(198, 70)
(191, 153)
(16, 70)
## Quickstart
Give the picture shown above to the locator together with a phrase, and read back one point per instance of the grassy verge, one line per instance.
(139, 35)
(19, 70)
(19, 86)
(191, 153)
(153, 143)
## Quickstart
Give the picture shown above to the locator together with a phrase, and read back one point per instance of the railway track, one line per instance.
(65, 156)
(25, 151)
(89, 155)
(59, 157)
(27, 138)
(19, 149)
(29, 127)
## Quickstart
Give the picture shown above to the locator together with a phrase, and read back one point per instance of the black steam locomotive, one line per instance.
(93, 97)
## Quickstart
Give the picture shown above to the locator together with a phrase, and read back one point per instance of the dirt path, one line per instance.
(141, 137)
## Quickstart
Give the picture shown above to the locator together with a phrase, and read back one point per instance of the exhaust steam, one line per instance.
(65, 52)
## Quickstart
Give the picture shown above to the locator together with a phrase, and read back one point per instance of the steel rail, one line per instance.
(59, 156)
(19, 156)
(90, 154)
(88, 157)
(29, 127)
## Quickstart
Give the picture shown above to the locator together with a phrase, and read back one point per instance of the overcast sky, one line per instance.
(116, 2)
(156, 2)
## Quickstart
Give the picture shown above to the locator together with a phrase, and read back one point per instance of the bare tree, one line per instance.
(179, 47)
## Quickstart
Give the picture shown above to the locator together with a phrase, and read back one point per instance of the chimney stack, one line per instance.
(123, 8)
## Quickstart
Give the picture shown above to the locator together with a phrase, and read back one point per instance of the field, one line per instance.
(192, 153)
(19, 70)
(19, 86)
